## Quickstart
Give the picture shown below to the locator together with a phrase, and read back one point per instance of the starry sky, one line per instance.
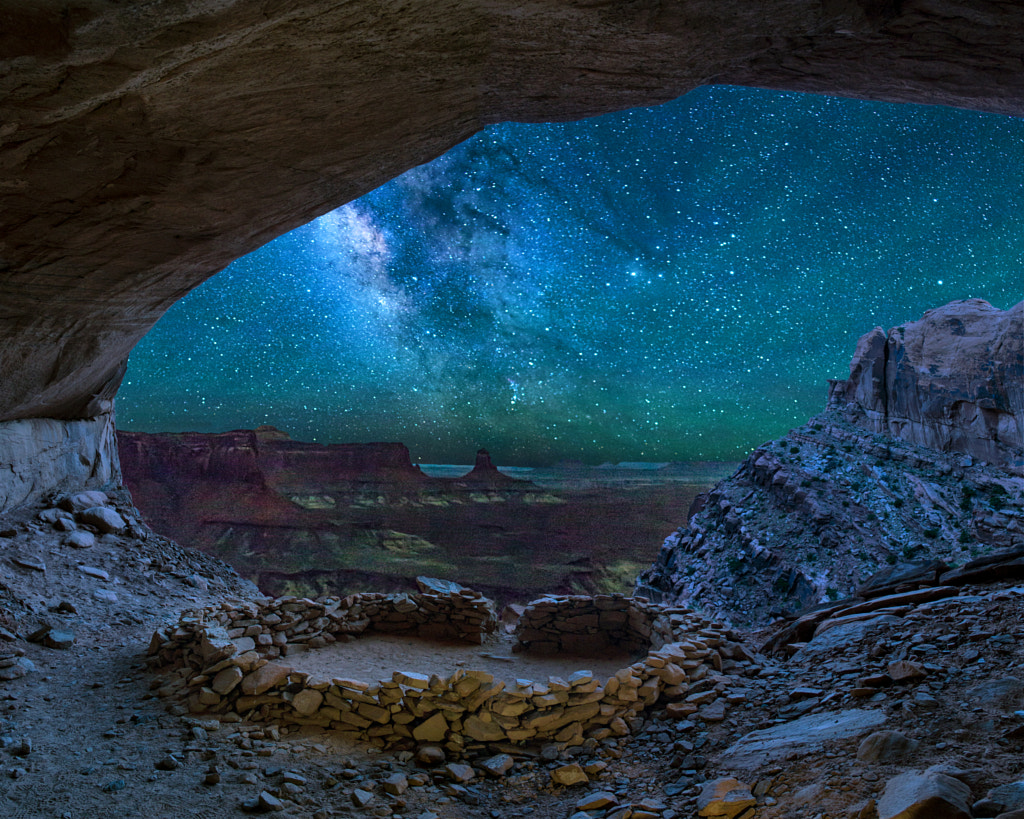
(668, 283)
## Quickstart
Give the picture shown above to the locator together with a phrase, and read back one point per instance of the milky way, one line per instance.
(673, 283)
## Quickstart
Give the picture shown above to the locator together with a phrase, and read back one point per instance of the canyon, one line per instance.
(145, 146)
(308, 519)
(142, 152)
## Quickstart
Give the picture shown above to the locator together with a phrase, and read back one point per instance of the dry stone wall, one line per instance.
(227, 662)
(579, 624)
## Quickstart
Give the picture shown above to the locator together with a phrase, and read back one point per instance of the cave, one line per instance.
(144, 151)
(146, 146)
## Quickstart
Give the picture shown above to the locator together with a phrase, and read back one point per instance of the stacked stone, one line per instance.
(225, 669)
(580, 624)
(278, 627)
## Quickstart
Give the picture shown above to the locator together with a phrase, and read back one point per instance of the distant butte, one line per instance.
(485, 472)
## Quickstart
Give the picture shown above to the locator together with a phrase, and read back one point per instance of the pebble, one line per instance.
(168, 763)
(92, 571)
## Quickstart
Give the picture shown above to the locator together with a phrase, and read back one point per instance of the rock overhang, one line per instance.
(144, 152)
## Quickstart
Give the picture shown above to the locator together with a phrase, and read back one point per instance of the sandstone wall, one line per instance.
(225, 662)
(952, 381)
(43, 456)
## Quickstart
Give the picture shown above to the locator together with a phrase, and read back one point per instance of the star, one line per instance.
(673, 283)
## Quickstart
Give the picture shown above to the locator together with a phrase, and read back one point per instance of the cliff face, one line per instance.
(917, 459)
(181, 481)
(953, 381)
(263, 458)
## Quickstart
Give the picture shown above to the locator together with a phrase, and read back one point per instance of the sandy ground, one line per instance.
(374, 657)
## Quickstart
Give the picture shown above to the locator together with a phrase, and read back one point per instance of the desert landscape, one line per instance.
(304, 519)
(240, 622)
(895, 698)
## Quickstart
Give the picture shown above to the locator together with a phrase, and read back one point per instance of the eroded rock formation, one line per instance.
(953, 381)
(485, 473)
(307, 519)
(896, 473)
(143, 149)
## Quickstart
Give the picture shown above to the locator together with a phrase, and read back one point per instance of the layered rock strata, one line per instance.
(808, 518)
(225, 662)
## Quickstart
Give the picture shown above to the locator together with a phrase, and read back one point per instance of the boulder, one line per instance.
(757, 747)
(725, 797)
(105, 519)
(569, 775)
(930, 795)
(885, 746)
(1003, 695)
(1010, 796)
(81, 540)
(84, 500)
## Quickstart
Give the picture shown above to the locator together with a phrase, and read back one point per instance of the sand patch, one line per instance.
(374, 657)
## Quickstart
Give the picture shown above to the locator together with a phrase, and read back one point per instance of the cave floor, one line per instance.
(83, 735)
(373, 658)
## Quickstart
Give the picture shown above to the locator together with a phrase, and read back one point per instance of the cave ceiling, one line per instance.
(146, 145)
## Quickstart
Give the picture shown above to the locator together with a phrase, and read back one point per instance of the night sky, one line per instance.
(671, 283)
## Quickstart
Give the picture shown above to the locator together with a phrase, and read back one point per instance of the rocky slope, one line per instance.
(909, 708)
(917, 458)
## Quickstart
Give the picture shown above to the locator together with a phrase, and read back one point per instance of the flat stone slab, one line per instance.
(758, 747)
(845, 633)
